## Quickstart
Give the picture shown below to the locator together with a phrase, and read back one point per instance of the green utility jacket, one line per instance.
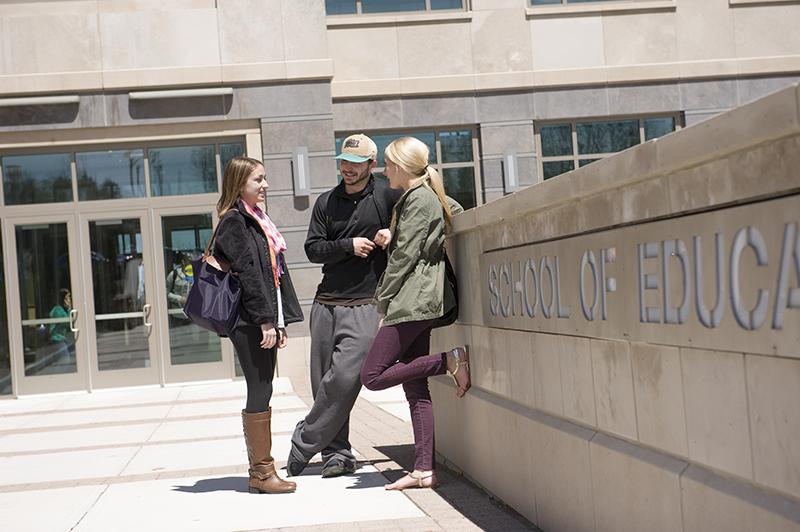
(413, 286)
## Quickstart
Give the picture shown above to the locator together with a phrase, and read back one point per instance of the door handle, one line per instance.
(73, 319)
(146, 316)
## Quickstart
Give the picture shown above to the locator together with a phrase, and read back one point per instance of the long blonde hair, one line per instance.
(411, 154)
(234, 178)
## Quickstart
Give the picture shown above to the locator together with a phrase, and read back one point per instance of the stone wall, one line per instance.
(634, 329)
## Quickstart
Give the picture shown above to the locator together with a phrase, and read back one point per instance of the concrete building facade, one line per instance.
(116, 119)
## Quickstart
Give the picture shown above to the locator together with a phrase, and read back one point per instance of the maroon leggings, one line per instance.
(399, 355)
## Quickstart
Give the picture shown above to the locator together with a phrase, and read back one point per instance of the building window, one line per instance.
(565, 146)
(453, 153)
(5, 356)
(358, 7)
(118, 173)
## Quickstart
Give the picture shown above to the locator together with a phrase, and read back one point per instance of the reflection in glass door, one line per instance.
(121, 312)
(185, 238)
(45, 299)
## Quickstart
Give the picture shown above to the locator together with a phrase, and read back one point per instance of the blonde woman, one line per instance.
(250, 243)
(411, 296)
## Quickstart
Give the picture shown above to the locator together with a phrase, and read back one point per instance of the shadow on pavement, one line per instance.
(465, 497)
(238, 484)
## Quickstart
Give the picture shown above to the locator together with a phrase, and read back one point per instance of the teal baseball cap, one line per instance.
(358, 148)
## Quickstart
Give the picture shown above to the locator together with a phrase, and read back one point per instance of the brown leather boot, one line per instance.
(258, 437)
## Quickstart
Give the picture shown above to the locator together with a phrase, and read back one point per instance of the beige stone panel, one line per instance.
(769, 65)
(503, 80)
(482, 359)
(470, 282)
(659, 397)
(159, 39)
(304, 30)
(613, 387)
(491, 5)
(567, 42)
(576, 380)
(701, 69)
(22, 8)
(434, 50)
(717, 422)
(365, 88)
(745, 126)
(547, 373)
(704, 30)
(241, 42)
(141, 78)
(305, 281)
(310, 69)
(767, 31)
(640, 38)
(436, 84)
(58, 82)
(500, 41)
(773, 387)
(563, 484)
(382, 47)
(254, 71)
(72, 44)
(575, 76)
(119, 6)
(521, 494)
(496, 361)
(649, 72)
(639, 201)
(715, 504)
(519, 347)
(634, 488)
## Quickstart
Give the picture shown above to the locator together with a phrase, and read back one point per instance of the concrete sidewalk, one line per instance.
(174, 459)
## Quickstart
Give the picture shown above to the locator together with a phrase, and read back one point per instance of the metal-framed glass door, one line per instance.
(46, 303)
(117, 259)
(189, 352)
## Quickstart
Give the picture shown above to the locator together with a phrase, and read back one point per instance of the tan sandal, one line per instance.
(414, 481)
(461, 356)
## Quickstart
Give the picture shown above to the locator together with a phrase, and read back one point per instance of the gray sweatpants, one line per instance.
(340, 340)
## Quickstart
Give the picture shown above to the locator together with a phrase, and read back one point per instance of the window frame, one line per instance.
(145, 145)
(427, 10)
(576, 157)
(475, 163)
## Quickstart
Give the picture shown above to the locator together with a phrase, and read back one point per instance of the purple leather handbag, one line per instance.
(213, 300)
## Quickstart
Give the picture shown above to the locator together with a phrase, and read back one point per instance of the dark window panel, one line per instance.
(658, 127)
(31, 179)
(340, 7)
(182, 170)
(554, 168)
(388, 6)
(607, 137)
(110, 174)
(556, 140)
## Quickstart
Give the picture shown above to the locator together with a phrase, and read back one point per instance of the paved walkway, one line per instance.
(174, 459)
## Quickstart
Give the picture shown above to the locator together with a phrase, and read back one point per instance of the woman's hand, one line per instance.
(284, 339)
(268, 336)
(380, 323)
(382, 238)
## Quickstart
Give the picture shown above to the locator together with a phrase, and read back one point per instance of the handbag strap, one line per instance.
(208, 257)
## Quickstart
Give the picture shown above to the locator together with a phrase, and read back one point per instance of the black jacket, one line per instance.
(337, 218)
(241, 243)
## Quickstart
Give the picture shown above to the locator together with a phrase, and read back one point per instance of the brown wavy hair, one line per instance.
(234, 177)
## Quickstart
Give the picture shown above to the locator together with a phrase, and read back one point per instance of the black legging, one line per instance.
(258, 366)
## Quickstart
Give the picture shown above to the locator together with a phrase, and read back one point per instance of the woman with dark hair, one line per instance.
(249, 242)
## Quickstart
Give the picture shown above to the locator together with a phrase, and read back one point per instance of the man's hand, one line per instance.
(382, 238)
(362, 246)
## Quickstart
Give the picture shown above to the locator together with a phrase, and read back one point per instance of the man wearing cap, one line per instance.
(348, 234)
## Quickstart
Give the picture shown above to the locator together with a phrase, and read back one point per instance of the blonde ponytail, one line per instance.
(411, 155)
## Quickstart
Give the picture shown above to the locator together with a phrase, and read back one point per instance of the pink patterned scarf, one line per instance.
(276, 241)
